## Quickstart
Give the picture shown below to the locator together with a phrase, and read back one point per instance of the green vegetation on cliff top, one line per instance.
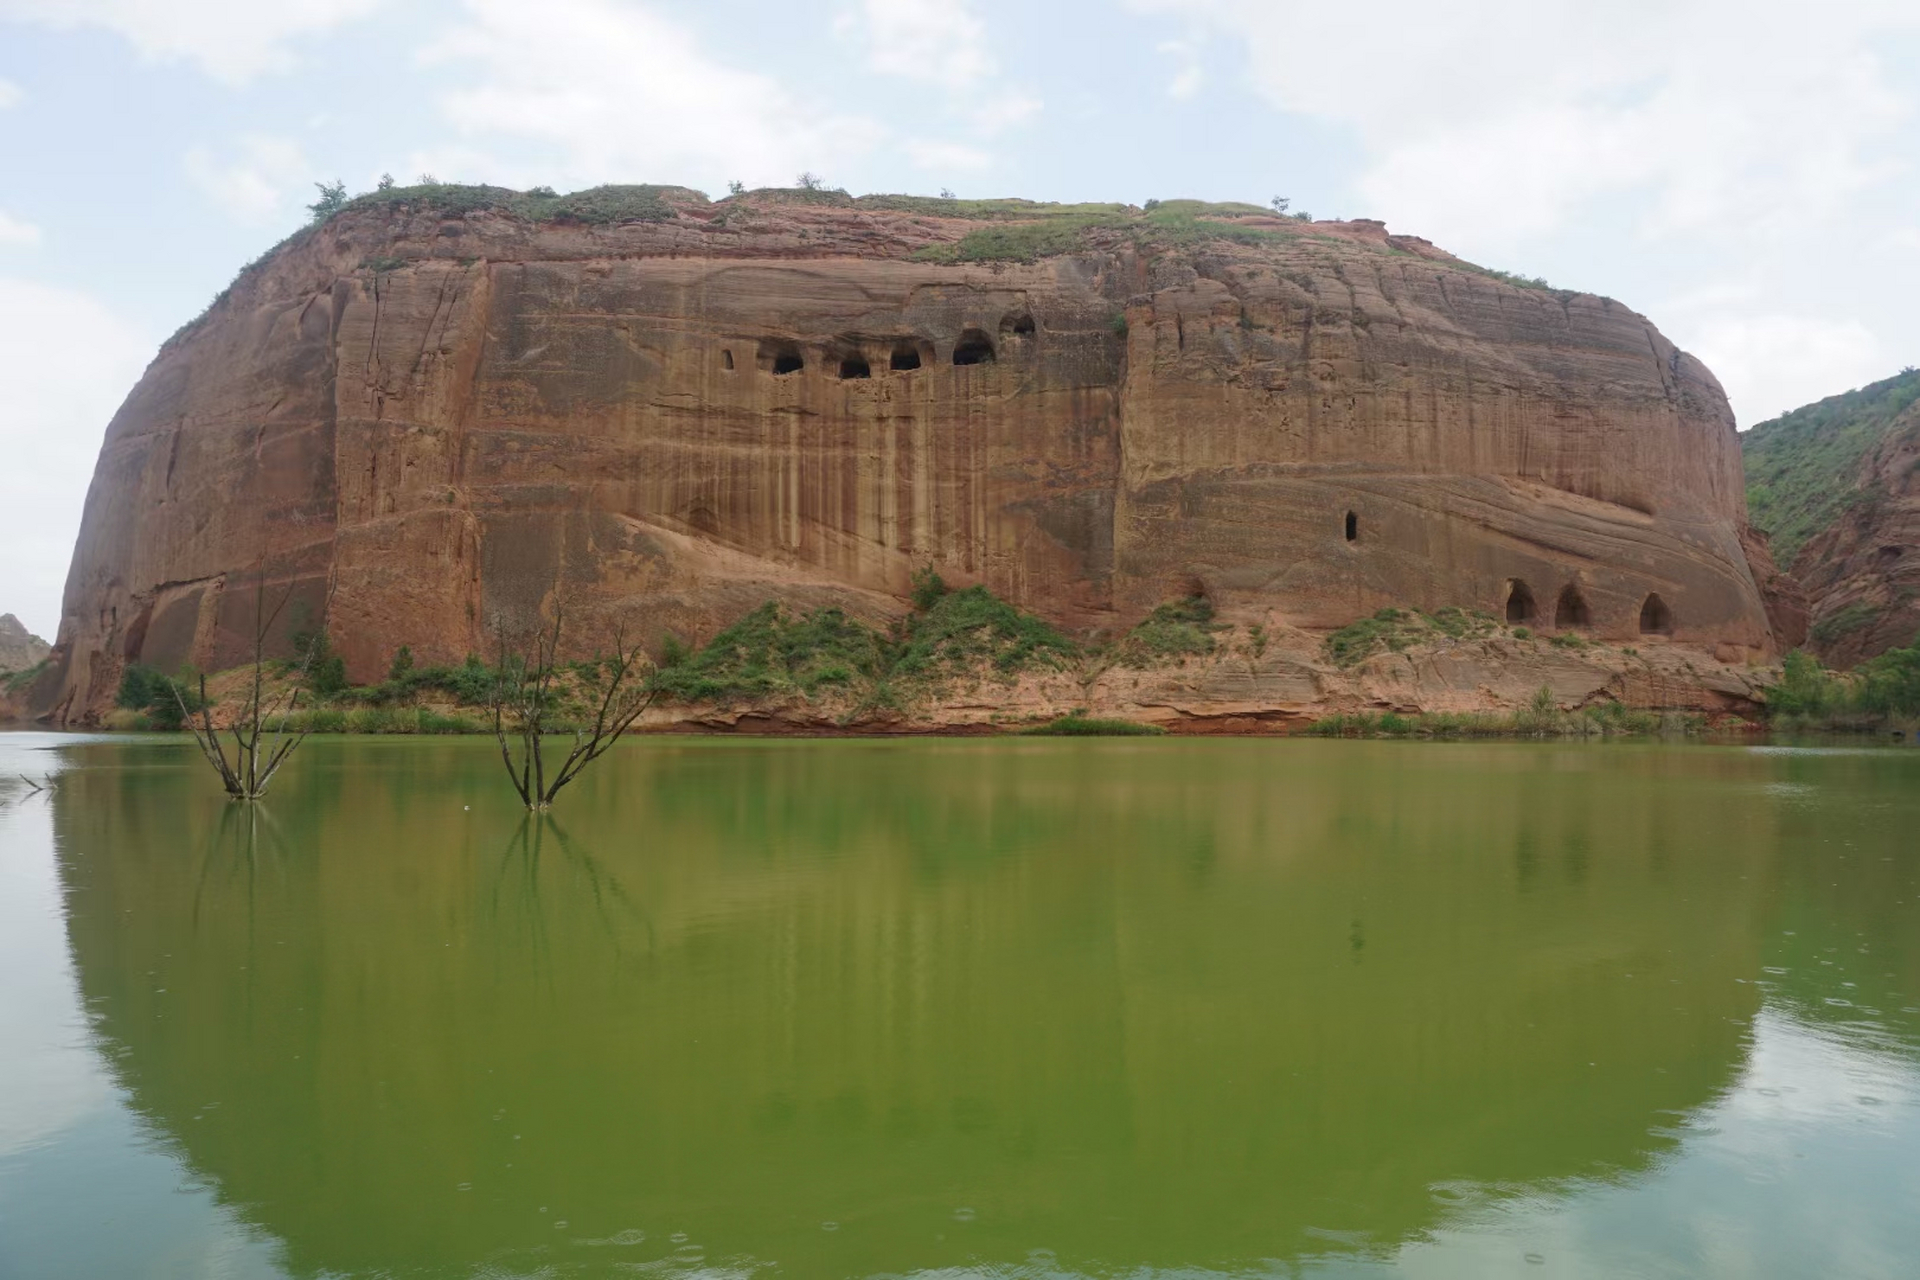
(1803, 467)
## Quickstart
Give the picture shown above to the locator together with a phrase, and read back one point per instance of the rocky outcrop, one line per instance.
(1837, 485)
(1862, 572)
(19, 648)
(421, 424)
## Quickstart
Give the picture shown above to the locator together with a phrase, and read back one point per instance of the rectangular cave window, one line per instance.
(855, 367)
(726, 361)
(1353, 527)
(788, 362)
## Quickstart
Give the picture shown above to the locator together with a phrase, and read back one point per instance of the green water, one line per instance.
(959, 1008)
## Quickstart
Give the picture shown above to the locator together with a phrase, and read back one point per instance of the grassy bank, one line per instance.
(1540, 718)
(1879, 694)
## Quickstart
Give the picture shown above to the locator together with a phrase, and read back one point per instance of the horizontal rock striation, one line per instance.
(421, 425)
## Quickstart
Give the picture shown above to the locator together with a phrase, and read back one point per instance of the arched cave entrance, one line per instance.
(1655, 618)
(855, 367)
(974, 347)
(1520, 606)
(1353, 527)
(1571, 610)
(1020, 326)
(905, 356)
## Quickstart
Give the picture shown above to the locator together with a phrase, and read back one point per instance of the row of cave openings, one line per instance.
(1570, 612)
(781, 357)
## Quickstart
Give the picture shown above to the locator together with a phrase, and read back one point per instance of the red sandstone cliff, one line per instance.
(430, 424)
(1862, 572)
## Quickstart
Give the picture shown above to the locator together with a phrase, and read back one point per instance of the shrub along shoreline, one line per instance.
(864, 678)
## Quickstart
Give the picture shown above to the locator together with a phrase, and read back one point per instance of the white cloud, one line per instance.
(939, 42)
(1771, 363)
(269, 177)
(944, 156)
(66, 360)
(10, 93)
(15, 233)
(1188, 76)
(231, 40)
(617, 93)
(1753, 139)
(1510, 115)
(1003, 109)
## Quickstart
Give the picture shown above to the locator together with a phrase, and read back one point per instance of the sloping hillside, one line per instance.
(1836, 485)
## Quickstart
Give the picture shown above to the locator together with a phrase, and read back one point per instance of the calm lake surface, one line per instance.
(963, 1008)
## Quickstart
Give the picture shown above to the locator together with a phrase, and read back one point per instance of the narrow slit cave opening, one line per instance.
(1353, 527)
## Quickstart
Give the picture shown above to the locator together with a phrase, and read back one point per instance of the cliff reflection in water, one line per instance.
(855, 1007)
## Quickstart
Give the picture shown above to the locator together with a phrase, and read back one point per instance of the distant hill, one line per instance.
(1836, 486)
(19, 648)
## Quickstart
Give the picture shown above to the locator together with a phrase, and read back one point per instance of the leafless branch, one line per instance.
(525, 693)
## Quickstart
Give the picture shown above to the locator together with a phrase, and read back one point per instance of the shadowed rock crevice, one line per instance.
(1571, 611)
(1655, 618)
(1520, 606)
(974, 347)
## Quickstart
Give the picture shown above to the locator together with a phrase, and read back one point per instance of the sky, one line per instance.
(1744, 172)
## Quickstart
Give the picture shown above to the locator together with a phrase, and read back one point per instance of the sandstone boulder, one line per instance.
(423, 423)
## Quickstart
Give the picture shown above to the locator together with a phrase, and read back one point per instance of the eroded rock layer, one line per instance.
(422, 427)
(1862, 572)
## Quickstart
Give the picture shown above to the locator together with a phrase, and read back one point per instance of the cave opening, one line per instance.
(726, 360)
(788, 362)
(974, 347)
(1571, 610)
(906, 356)
(1656, 619)
(1020, 326)
(1520, 606)
(855, 367)
(1353, 527)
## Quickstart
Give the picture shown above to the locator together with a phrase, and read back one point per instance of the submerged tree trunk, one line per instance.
(526, 692)
(262, 732)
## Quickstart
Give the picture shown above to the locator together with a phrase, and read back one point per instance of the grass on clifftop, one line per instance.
(1049, 230)
(1803, 467)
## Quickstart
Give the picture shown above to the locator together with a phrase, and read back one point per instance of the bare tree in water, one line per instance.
(262, 728)
(527, 689)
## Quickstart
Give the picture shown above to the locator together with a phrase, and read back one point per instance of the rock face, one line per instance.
(19, 648)
(421, 426)
(1862, 573)
(1838, 484)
